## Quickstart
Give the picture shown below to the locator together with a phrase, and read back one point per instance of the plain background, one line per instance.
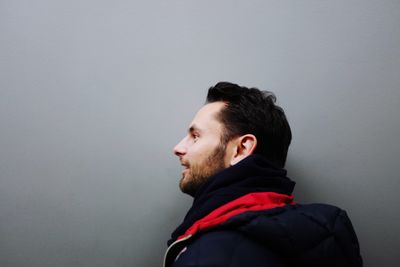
(95, 94)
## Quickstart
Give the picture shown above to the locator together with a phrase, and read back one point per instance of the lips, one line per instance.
(185, 167)
(184, 163)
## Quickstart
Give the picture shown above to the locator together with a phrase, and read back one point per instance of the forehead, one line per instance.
(206, 117)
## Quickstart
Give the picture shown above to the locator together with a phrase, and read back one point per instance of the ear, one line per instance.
(243, 147)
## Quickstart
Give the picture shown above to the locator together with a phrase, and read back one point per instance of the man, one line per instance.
(243, 212)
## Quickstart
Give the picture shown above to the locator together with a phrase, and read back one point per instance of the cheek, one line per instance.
(204, 151)
(196, 155)
(198, 151)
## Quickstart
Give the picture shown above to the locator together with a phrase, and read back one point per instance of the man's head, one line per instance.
(234, 123)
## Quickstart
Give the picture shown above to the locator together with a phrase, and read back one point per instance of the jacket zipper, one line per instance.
(173, 244)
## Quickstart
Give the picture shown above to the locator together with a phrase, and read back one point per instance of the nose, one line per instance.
(180, 148)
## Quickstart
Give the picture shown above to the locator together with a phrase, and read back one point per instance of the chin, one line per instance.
(183, 182)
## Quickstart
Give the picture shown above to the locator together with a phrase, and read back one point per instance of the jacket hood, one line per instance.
(313, 235)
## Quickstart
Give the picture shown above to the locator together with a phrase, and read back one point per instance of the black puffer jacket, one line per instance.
(282, 235)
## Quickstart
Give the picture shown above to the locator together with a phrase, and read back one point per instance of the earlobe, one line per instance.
(245, 146)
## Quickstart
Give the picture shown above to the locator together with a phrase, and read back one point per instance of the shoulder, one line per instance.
(294, 219)
(312, 234)
(306, 235)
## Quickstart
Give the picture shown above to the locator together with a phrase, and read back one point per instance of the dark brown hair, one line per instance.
(252, 111)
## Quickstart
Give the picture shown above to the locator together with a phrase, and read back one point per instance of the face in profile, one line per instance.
(201, 152)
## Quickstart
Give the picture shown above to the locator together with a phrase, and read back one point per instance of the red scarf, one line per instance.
(250, 202)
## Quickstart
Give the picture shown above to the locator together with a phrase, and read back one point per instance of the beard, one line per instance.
(199, 173)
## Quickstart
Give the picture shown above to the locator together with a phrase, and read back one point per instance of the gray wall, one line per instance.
(94, 95)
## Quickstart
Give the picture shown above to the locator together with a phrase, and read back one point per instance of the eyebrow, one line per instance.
(193, 129)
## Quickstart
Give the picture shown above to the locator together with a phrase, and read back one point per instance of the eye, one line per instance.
(195, 137)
